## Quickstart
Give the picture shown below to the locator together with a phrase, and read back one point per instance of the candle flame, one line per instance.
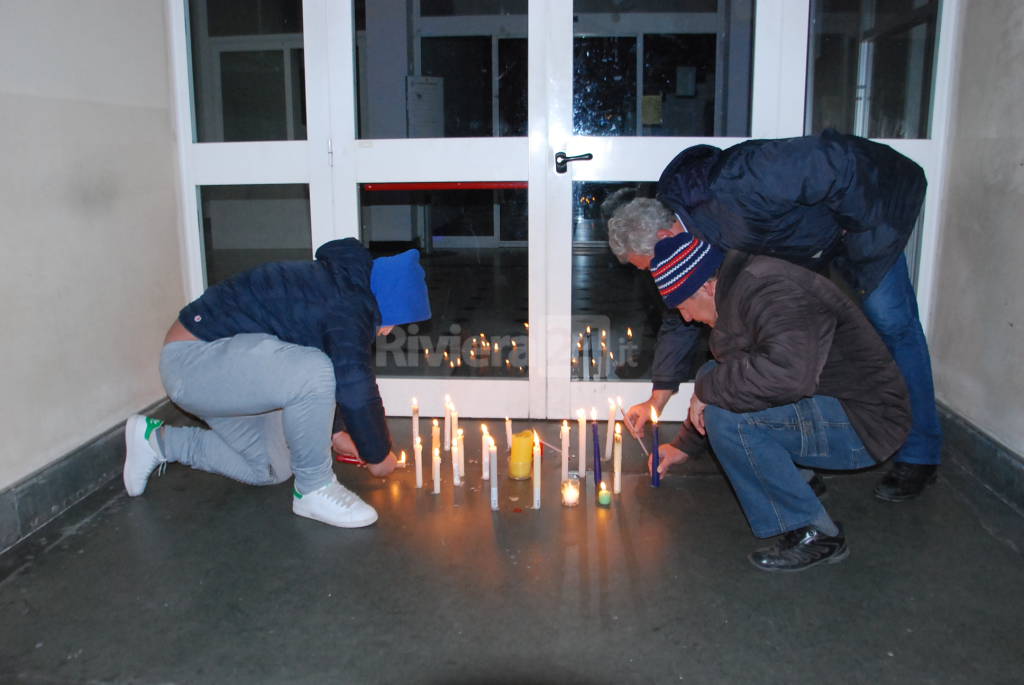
(527, 325)
(459, 362)
(451, 364)
(618, 431)
(588, 330)
(419, 441)
(508, 364)
(581, 414)
(472, 354)
(415, 403)
(611, 404)
(604, 334)
(483, 428)
(603, 486)
(513, 343)
(629, 333)
(536, 439)
(618, 401)
(654, 416)
(593, 414)
(446, 354)
(460, 433)
(401, 458)
(565, 424)
(437, 453)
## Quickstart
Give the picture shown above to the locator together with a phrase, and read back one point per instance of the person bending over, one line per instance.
(814, 201)
(799, 379)
(265, 357)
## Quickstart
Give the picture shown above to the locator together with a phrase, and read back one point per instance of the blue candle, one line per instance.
(655, 457)
(597, 447)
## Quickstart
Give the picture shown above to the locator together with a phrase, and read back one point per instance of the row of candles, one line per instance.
(591, 363)
(454, 442)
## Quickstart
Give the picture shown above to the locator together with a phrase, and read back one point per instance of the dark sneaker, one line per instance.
(905, 481)
(801, 549)
(817, 484)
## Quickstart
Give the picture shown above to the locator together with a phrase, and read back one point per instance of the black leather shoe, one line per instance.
(905, 481)
(801, 549)
(817, 484)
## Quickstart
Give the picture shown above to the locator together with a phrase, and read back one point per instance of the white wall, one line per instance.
(977, 336)
(92, 273)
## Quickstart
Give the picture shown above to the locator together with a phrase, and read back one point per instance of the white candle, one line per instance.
(455, 462)
(455, 421)
(581, 417)
(508, 433)
(485, 452)
(536, 470)
(565, 450)
(435, 436)
(435, 470)
(415, 421)
(617, 460)
(612, 409)
(461, 442)
(493, 450)
(417, 454)
(447, 422)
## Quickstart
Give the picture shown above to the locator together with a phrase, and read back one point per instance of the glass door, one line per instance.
(435, 124)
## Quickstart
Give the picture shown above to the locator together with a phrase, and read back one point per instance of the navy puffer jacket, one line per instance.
(326, 304)
(806, 200)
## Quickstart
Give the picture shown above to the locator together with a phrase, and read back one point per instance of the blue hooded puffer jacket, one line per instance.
(807, 200)
(326, 304)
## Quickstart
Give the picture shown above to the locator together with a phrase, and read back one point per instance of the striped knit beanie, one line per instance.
(681, 265)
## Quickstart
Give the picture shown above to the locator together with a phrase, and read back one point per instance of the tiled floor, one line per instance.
(203, 580)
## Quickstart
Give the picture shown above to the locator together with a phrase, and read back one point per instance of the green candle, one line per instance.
(604, 495)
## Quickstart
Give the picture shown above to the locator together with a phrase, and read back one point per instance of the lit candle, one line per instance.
(493, 450)
(536, 470)
(485, 452)
(435, 436)
(417, 453)
(447, 422)
(612, 409)
(508, 432)
(460, 441)
(570, 492)
(581, 458)
(597, 445)
(617, 460)
(565, 450)
(655, 476)
(435, 471)
(604, 497)
(415, 421)
(629, 333)
(401, 459)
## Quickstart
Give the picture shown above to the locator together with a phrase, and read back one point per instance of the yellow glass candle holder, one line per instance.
(520, 459)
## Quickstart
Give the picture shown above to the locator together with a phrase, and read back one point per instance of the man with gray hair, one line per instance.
(813, 201)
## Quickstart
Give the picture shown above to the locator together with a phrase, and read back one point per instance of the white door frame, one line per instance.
(333, 162)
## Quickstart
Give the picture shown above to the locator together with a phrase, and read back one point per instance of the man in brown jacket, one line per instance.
(800, 379)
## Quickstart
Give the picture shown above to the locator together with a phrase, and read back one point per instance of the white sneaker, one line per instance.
(335, 505)
(140, 457)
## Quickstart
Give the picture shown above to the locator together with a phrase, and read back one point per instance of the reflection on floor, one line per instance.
(203, 580)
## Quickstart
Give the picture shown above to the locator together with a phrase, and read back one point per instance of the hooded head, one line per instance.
(399, 284)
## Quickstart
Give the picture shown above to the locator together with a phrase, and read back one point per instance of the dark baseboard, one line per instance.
(995, 465)
(29, 504)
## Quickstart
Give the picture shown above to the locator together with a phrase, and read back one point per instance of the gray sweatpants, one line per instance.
(270, 406)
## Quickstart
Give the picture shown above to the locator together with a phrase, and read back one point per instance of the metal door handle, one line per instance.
(561, 160)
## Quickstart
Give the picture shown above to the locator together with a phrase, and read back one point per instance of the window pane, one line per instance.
(247, 71)
(617, 302)
(473, 249)
(871, 65)
(439, 72)
(694, 74)
(248, 225)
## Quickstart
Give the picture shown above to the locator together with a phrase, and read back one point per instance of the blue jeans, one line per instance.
(760, 452)
(892, 309)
